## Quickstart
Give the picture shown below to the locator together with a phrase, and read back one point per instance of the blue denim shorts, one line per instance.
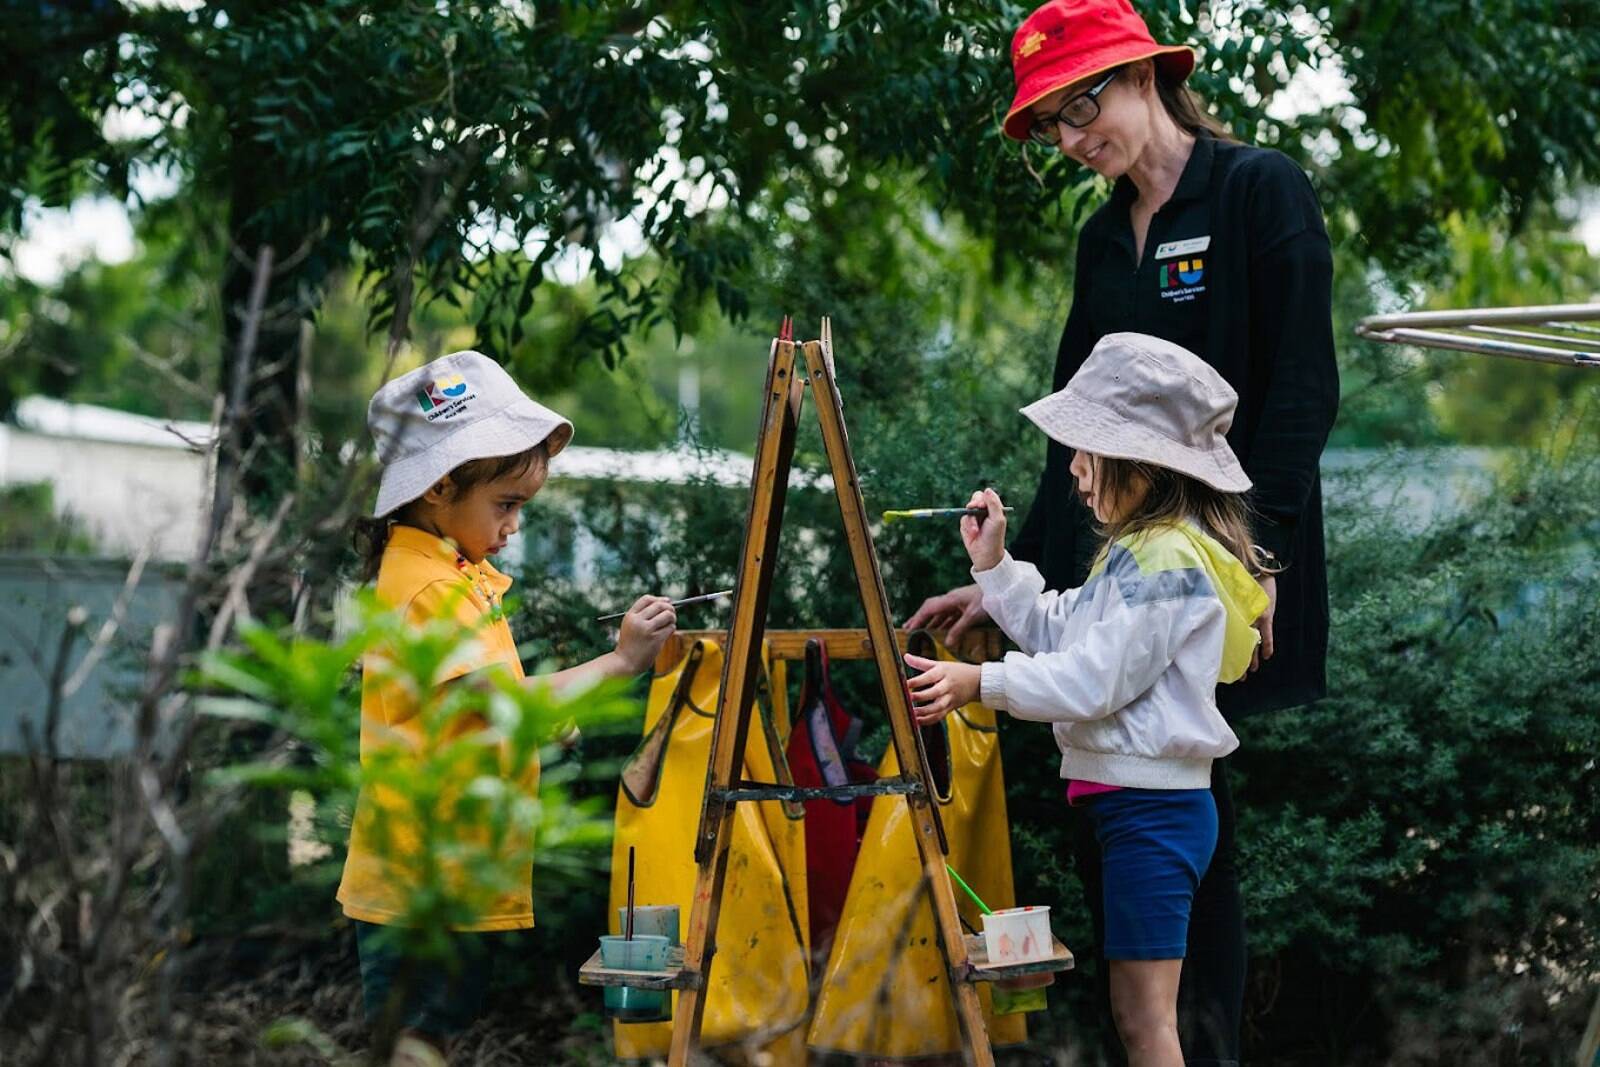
(1155, 845)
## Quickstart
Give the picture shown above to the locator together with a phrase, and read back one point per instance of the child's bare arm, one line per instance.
(645, 628)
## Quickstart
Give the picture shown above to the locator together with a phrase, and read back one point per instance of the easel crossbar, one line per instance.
(898, 786)
(976, 645)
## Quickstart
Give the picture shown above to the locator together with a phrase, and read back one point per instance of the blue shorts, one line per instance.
(1155, 845)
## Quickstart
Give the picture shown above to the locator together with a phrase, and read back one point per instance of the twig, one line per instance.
(194, 445)
(76, 618)
(228, 460)
(234, 601)
(427, 219)
(44, 767)
(174, 377)
(108, 629)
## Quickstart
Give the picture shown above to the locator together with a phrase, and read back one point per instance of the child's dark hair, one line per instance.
(371, 535)
(1173, 497)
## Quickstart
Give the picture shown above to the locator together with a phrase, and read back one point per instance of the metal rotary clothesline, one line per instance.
(1552, 333)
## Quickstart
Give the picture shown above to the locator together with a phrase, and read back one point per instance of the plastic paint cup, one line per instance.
(646, 952)
(657, 920)
(1018, 935)
(1005, 1001)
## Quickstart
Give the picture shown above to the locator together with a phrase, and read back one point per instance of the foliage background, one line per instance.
(608, 196)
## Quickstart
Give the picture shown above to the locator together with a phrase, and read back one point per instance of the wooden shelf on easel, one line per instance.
(1060, 959)
(977, 645)
(674, 977)
(593, 973)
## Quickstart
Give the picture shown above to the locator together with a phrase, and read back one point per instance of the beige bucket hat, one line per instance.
(460, 407)
(1139, 397)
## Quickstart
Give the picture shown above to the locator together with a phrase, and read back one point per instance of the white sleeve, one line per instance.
(1015, 598)
(1117, 659)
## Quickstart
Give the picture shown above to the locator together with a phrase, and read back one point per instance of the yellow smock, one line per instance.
(757, 995)
(885, 992)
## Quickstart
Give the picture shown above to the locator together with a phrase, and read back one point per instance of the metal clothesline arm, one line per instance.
(1485, 328)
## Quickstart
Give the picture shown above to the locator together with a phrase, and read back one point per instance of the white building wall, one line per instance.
(128, 497)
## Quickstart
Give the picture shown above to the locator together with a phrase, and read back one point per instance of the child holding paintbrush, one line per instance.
(463, 449)
(1126, 667)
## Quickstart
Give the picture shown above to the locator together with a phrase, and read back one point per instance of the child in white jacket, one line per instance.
(1126, 667)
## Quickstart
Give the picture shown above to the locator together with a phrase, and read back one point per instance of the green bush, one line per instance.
(1424, 845)
(309, 691)
(29, 523)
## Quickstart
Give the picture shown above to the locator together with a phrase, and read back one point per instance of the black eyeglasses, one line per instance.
(1077, 112)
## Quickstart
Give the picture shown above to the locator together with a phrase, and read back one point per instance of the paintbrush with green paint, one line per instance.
(976, 899)
(937, 513)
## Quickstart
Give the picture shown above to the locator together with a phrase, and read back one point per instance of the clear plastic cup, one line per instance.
(652, 919)
(645, 952)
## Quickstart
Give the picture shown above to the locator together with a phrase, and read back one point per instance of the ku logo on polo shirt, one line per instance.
(1181, 269)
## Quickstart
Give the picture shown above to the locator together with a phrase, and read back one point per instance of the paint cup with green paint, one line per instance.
(1013, 996)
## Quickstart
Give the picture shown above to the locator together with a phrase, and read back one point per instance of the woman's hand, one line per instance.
(954, 612)
(941, 687)
(1263, 652)
(645, 628)
(985, 536)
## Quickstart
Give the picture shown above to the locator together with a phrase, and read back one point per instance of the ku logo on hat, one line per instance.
(442, 391)
(1030, 45)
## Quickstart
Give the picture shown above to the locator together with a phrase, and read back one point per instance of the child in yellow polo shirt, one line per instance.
(463, 449)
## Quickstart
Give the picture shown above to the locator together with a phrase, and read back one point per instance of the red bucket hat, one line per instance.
(1066, 40)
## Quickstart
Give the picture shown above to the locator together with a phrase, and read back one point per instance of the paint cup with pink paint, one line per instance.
(1018, 935)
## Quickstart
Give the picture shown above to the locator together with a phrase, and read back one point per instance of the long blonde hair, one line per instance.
(1170, 499)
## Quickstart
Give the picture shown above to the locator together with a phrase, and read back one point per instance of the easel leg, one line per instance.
(891, 677)
(741, 668)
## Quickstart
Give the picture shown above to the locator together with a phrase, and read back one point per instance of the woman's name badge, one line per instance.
(1183, 248)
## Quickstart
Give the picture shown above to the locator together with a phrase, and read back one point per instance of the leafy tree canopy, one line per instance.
(466, 148)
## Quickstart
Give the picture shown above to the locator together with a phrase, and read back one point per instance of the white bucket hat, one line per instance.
(1139, 397)
(458, 408)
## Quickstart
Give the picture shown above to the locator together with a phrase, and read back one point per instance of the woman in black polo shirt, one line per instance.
(1219, 247)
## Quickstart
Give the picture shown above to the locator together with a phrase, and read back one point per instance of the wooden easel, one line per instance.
(786, 382)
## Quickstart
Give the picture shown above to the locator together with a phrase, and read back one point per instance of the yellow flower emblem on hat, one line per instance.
(1030, 44)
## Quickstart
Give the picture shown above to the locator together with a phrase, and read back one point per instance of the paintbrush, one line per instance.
(628, 932)
(675, 603)
(937, 513)
(976, 899)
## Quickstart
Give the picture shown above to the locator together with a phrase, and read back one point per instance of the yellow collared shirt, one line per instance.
(422, 575)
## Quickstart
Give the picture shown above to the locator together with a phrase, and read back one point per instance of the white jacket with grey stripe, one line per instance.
(1126, 666)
